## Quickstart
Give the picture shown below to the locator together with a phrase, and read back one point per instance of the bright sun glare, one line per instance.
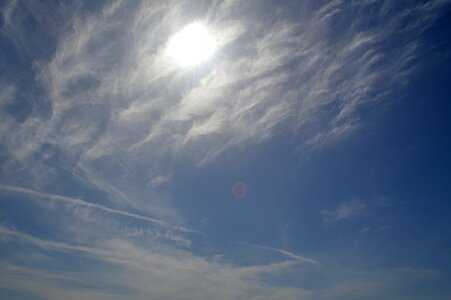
(192, 45)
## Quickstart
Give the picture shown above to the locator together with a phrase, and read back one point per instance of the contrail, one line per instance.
(79, 202)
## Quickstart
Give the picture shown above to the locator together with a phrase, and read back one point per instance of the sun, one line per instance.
(191, 46)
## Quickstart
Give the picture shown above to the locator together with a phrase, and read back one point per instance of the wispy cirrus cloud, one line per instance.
(240, 89)
(123, 269)
(194, 276)
(102, 104)
(345, 210)
(114, 93)
(158, 180)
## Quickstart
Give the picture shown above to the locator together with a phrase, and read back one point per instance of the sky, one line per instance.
(279, 150)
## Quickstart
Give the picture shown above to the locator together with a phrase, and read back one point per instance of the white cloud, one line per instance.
(116, 114)
(123, 269)
(117, 103)
(166, 273)
(284, 252)
(158, 180)
(345, 210)
(78, 202)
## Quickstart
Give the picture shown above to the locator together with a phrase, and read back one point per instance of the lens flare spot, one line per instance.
(240, 189)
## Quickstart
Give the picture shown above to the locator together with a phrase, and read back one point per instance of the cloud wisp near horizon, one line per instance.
(117, 162)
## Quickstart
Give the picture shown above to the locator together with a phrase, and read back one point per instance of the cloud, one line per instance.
(113, 269)
(102, 107)
(165, 274)
(113, 101)
(345, 210)
(291, 71)
(78, 202)
(158, 180)
(284, 252)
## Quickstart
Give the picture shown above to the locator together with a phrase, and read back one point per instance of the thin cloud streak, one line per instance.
(284, 252)
(78, 202)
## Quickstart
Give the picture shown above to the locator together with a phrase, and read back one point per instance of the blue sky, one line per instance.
(117, 164)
